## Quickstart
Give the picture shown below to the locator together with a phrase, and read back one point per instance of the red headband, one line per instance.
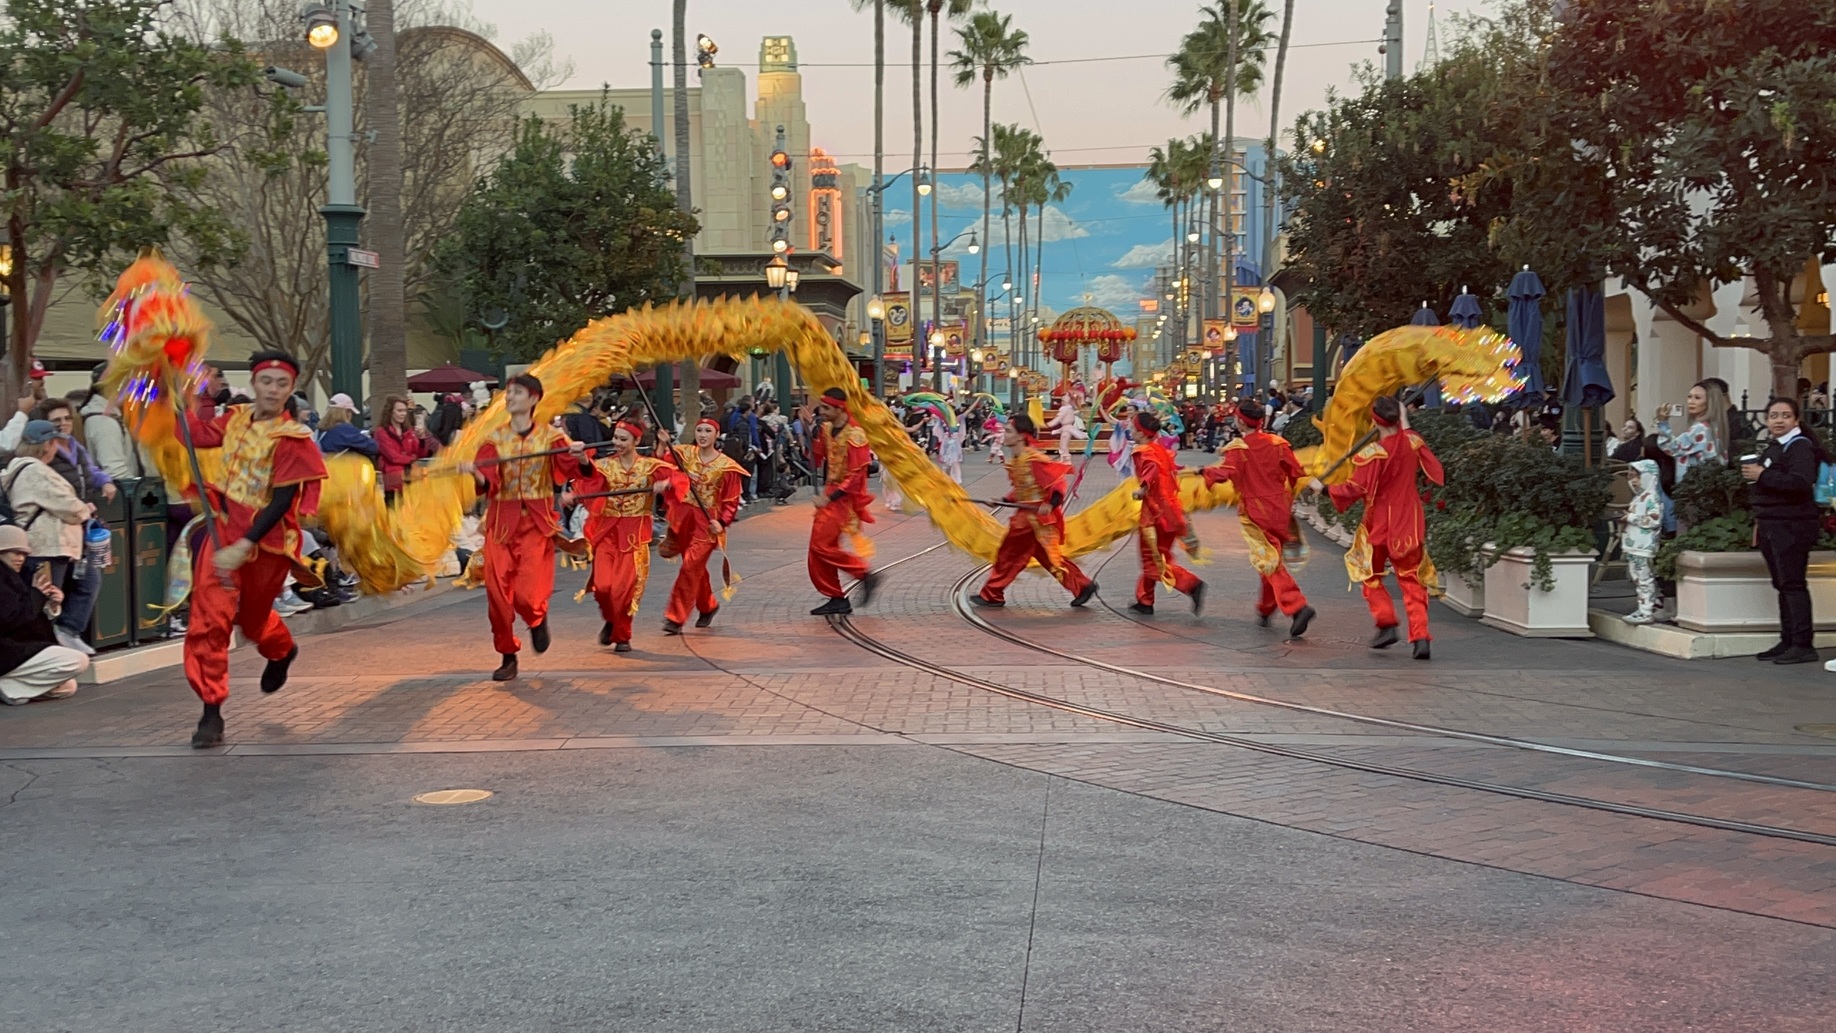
(1380, 421)
(636, 432)
(292, 370)
(1248, 420)
(708, 423)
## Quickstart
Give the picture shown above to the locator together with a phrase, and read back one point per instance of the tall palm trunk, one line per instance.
(1007, 243)
(1267, 356)
(1231, 349)
(388, 315)
(921, 344)
(981, 292)
(690, 377)
(936, 256)
(876, 252)
(1026, 292)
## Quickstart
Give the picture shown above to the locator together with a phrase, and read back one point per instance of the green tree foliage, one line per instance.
(99, 102)
(572, 226)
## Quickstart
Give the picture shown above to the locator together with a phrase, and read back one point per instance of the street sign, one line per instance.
(365, 259)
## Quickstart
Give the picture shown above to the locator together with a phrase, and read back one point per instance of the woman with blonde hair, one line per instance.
(1706, 440)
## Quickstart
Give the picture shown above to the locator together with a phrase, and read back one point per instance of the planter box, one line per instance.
(1466, 598)
(1720, 592)
(1513, 603)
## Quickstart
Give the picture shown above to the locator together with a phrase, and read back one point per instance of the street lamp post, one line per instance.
(876, 336)
(937, 295)
(665, 390)
(335, 28)
(921, 182)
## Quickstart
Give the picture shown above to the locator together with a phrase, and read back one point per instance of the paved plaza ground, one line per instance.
(766, 826)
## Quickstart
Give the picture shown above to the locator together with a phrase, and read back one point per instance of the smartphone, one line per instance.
(41, 576)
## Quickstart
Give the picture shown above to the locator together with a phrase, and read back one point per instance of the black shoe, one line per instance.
(605, 634)
(1797, 655)
(1263, 620)
(707, 618)
(506, 670)
(978, 599)
(1772, 653)
(1142, 608)
(1198, 598)
(622, 647)
(274, 675)
(210, 729)
(1302, 618)
(836, 607)
(1385, 638)
(538, 637)
(868, 586)
(671, 628)
(1421, 649)
(1084, 597)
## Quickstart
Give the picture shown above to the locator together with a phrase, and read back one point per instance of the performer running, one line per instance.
(1037, 528)
(699, 525)
(842, 455)
(520, 526)
(1393, 529)
(270, 478)
(1264, 470)
(1162, 519)
(619, 528)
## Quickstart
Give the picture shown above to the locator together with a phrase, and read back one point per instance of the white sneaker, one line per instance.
(1640, 618)
(1829, 665)
(289, 603)
(69, 641)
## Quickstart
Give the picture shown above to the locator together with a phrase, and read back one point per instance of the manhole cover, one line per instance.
(1827, 731)
(441, 797)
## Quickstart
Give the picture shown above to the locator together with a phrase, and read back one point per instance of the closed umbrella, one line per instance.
(1585, 382)
(1466, 313)
(1425, 316)
(1524, 321)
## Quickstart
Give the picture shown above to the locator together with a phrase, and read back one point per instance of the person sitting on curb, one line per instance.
(32, 665)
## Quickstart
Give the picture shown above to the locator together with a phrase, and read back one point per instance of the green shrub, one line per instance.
(1707, 492)
(1729, 532)
(1301, 432)
(1504, 492)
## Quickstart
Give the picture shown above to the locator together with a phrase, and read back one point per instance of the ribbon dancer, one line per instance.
(1162, 519)
(271, 474)
(1036, 530)
(1264, 470)
(520, 526)
(620, 528)
(698, 528)
(841, 453)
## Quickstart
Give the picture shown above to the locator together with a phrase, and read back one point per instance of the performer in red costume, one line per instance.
(1264, 470)
(520, 527)
(698, 525)
(1163, 519)
(1393, 530)
(842, 456)
(271, 474)
(619, 529)
(1036, 530)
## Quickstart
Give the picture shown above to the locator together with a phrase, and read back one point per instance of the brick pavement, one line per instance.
(415, 679)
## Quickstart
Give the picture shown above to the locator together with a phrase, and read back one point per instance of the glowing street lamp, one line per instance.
(321, 26)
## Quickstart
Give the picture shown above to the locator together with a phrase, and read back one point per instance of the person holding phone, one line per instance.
(1781, 489)
(32, 664)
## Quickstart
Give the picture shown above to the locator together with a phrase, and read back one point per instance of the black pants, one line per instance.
(1787, 545)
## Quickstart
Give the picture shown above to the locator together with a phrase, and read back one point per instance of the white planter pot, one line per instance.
(1514, 603)
(1720, 592)
(1464, 597)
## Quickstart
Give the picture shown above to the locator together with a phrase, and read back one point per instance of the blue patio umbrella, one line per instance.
(1466, 313)
(1424, 316)
(1524, 321)
(1585, 382)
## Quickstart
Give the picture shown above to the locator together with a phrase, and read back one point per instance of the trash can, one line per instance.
(147, 535)
(109, 625)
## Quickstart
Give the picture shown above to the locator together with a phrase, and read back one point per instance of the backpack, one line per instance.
(7, 516)
(1826, 484)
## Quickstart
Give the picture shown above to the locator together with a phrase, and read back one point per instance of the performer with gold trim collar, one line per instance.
(270, 477)
(619, 528)
(1162, 520)
(1036, 530)
(698, 525)
(1394, 529)
(1265, 471)
(520, 527)
(842, 456)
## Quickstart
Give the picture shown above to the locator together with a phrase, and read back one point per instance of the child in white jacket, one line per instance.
(1644, 517)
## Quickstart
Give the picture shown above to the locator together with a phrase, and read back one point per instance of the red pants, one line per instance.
(1022, 545)
(694, 590)
(519, 578)
(1415, 596)
(246, 603)
(618, 586)
(1278, 588)
(1183, 580)
(828, 560)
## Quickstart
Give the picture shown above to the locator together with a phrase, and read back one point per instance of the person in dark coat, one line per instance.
(32, 665)
(1782, 491)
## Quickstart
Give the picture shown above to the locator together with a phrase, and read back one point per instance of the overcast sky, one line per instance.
(1088, 112)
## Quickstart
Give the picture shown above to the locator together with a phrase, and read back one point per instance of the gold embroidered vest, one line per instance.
(643, 471)
(248, 456)
(530, 479)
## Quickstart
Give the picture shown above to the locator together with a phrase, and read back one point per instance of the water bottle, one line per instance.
(99, 546)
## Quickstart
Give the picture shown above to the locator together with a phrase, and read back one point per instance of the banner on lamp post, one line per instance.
(899, 325)
(1213, 339)
(1243, 310)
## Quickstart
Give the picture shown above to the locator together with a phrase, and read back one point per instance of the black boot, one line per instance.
(1198, 598)
(1771, 653)
(1143, 608)
(836, 607)
(274, 675)
(210, 728)
(538, 637)
(707, 618)
(605, 634)
(1797, 655)
(1421, 648)
(1385, 638)
(507, 670)
(671, 628)
(868, 586)
(1302, 618)
(622, 647)
(1084, 597)
(978, 599)
(1263, 620)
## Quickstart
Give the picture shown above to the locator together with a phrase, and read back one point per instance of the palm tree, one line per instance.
(1048, 189)
(1268, 166)
(690, 409)
(991, 49)
(388, 308)
(1010, 145)
(938, 10)
(878, 230)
